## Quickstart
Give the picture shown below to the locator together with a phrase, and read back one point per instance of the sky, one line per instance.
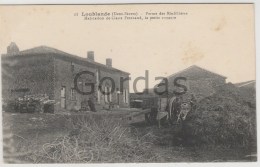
(217, 37)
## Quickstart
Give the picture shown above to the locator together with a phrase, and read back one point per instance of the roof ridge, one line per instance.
(44, 47)
(211, 71)
(195, 67)
(240, 84)
(181, 71)
(48, 49)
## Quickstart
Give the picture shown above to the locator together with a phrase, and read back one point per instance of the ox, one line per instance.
(177, 109)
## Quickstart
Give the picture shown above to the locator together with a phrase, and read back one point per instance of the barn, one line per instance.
(198, 81)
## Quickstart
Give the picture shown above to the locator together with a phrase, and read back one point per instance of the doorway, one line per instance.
(63, 97)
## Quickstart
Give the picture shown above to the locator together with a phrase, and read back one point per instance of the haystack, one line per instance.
(226, 118)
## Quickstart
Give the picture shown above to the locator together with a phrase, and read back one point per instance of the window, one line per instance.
(125, 95)
(72, 94)
(108, 97)
(63, 97)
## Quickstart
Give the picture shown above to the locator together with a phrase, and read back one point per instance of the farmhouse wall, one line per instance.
(65, 72)
(27, 75)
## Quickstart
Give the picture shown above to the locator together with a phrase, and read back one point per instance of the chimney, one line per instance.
(90, 55)
(12, 48)
(109, 62)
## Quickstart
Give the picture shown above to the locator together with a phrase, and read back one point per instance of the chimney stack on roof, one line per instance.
(109, 62)
(12, 48)
(90, 56)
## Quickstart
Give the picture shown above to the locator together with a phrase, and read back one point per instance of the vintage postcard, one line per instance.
(128, 83)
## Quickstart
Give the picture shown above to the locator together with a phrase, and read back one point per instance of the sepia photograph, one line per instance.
(128, 83)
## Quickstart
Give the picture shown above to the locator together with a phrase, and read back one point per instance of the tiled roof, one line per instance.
(41, 50)
(192, 68)
(49, 50)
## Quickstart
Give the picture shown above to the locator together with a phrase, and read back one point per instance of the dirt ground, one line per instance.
(34, 130)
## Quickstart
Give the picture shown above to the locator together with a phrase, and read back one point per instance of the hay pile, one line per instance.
(98, 139)
(226, 118)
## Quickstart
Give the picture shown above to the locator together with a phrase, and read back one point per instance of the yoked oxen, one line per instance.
(178, 109)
